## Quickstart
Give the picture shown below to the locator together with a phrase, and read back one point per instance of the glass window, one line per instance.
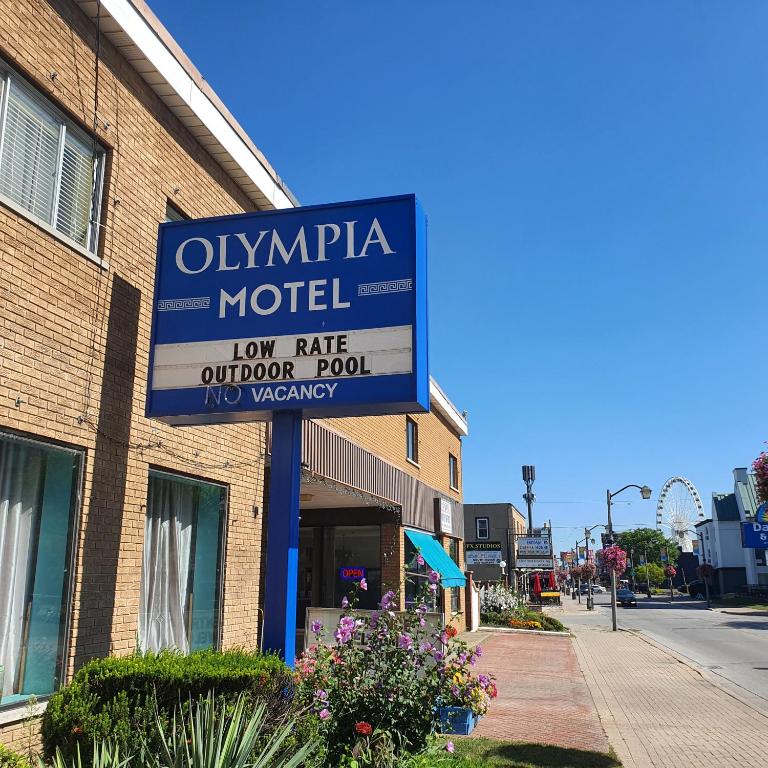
(412, 440)
(357, 546)
(173, 214)
(453, 551)
(453, 471)
(481, 527)
(180, 581)
(48, 166)
(416, 577)
(38, 499)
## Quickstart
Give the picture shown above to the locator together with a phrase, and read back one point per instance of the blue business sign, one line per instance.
(754, 535)
(321, 309)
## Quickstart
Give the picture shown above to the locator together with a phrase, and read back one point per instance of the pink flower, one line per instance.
(344, 602)
(419, 559)
(324, 714)
(433, 577)
(317, 626)
(363, 585)
(405, 642)
(449, 747)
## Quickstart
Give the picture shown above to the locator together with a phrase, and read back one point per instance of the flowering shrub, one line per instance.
(670, 571)
(760, 467)
(387, 672)
(615, 559)
(497, 599)
(524, 624)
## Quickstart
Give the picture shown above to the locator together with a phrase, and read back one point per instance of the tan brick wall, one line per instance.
(74, 343)
(74, 337)
(393, 561)
(385, 436)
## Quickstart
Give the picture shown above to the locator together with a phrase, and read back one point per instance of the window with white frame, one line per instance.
(411, 440)
(172, 213)
(481, 527)
(50, 170)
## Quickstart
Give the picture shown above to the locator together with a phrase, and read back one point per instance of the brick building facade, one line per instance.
(83, 467)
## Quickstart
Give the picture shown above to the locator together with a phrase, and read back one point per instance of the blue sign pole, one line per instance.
(283, 536)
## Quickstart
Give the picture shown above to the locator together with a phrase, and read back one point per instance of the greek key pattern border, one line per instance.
(175, 305)
(388, 286)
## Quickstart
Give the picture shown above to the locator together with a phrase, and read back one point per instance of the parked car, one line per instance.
(596, 589)
(625, 597)
(696, 589)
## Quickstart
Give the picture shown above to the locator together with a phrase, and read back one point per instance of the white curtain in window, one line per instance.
(20, 483)
(165, 574)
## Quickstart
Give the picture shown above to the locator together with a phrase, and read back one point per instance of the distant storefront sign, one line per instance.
(352, 572)
(483, 552)
(534, 546)
(534, 562)
(443, 515)
(754, 535)
(566, 557)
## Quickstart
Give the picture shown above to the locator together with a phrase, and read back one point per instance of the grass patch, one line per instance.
(740, 602)
(490, 753)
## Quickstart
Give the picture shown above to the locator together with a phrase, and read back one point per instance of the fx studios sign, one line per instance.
(321, 309)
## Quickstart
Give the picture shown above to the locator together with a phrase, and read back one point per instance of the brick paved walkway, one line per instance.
(661, 713)
(542, 694)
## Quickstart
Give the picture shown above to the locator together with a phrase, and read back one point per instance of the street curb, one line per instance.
(748, 699)
(511, 631)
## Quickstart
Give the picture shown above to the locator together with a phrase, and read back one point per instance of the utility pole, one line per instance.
(578, 589)
(590, 597)
(614, 618)
(647, 573)
(529, 475)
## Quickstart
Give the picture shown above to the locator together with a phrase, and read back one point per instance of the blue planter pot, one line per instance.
(458, 720)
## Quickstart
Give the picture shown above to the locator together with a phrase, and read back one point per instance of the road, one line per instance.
(734, 647)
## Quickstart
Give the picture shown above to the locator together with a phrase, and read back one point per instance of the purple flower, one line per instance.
(321, 694)
(363, 585)
(419, 559)
(439, 656)
(455, 691)
(344, 602)
(317, 626)
(478, 651)
(405, 642)
(483, 680)
(449, 746)
(386, 600)
(324, 714)
(462, 658)
(433, 587)
(433, 577)
(425, 647)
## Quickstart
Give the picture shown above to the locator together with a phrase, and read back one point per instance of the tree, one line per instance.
(656, 573)
(760, 466)
(642, 541)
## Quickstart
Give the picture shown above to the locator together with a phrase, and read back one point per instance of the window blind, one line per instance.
(47, 166)
(30, 154)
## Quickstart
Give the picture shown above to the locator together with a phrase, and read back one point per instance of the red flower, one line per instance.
(77, 730)
(451, 631)
(363, 728)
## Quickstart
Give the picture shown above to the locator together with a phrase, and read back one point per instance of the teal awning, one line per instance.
(437, 558)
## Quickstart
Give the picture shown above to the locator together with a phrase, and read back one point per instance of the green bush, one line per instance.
(11, 759)
(114, 698)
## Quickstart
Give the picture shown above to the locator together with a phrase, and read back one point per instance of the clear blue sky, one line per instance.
(596, 180)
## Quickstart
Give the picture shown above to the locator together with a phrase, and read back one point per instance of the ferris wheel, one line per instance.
(678, 508)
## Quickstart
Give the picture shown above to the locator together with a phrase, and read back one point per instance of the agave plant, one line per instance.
(212, 736)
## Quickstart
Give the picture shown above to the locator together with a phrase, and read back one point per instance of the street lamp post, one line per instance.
(645, 492)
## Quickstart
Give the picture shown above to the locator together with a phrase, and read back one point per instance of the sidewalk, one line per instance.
(542, 694)
(659, 712)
